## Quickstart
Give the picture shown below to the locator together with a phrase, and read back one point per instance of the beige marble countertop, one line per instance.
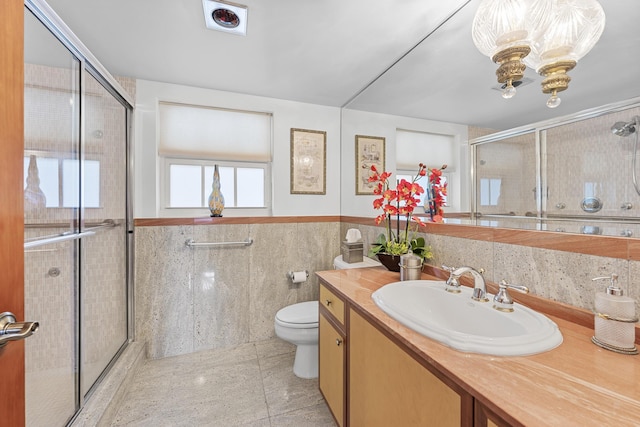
(576, 384)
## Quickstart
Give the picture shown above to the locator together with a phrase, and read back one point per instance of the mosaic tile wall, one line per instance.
(586, 159)
(191, 299)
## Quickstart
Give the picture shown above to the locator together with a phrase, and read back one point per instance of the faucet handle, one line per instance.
(502, 301)
(452, 285)
(449, 269)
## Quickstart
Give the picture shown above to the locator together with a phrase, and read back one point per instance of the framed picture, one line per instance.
(308, 161)
(369, 151)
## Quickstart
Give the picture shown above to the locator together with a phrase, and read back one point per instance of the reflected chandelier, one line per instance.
(550, 36)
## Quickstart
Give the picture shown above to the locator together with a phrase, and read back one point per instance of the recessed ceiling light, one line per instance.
(227, 17)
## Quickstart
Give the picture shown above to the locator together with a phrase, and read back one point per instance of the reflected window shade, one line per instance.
(432, 149)
(204, 132)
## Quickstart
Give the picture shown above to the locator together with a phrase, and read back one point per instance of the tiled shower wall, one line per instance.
(191, 299)
(586, 159)
(512, 161)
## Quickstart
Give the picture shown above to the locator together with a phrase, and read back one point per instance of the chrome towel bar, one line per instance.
(190, 243)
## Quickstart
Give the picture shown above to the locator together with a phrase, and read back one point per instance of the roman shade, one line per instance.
(432, 149)
(200, 132)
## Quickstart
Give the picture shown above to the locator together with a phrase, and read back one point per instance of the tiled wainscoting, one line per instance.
(193, 299)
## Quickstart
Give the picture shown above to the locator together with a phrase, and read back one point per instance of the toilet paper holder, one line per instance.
(292, 275)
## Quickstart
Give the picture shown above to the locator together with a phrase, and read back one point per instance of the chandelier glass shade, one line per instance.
(550, 36)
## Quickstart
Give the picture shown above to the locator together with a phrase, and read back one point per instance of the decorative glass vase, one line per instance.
(216, 199)
(34, 197)
(392, 262)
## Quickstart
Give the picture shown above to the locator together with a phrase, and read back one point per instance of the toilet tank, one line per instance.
(340, 264)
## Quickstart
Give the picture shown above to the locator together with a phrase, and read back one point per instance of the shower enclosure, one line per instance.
(77, 219)
(575, 174)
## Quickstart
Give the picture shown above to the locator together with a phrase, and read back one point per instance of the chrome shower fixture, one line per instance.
(625, 128)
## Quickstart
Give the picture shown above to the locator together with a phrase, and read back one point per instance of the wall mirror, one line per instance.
(445, 79)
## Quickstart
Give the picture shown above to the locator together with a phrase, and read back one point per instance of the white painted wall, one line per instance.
(383, 125)
(286, 115)
(340, 195)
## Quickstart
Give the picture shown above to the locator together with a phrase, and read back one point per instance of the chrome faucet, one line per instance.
(479, 286)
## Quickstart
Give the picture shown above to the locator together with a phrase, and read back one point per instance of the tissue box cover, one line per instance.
(351, 252)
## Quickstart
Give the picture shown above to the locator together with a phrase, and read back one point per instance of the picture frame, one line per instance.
(369, 151)
(308, 161)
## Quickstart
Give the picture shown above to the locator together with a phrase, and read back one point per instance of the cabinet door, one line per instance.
(387, 387)
(332, 362)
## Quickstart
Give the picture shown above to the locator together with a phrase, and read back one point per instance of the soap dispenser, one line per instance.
(614, 319)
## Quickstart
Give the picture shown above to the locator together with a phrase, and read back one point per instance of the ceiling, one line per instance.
(327, 51)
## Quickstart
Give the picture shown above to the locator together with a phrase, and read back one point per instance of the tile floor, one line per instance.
(249, 385)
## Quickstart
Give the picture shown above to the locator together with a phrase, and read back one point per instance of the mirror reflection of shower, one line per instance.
(626, 129)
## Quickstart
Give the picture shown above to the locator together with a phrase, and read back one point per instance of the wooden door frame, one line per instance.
(12, 369)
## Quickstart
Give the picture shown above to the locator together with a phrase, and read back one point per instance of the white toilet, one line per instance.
(298, 324)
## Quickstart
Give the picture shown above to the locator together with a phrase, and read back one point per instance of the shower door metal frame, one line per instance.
(90, 64)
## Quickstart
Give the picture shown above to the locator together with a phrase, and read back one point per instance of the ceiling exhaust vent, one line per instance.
(227, 17)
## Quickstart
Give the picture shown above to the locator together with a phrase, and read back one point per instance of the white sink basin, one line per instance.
(459, 322)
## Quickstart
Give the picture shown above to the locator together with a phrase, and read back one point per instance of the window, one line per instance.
(190, 181)
(192, 139)
(423, 183)
(59, 181)
(490, 191)
(433, 150)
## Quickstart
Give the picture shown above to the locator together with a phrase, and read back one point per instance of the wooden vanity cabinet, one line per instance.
(332, 353)
(368, 379)
(388, 387)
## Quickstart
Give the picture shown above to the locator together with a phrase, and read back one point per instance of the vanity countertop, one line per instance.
(578, 383)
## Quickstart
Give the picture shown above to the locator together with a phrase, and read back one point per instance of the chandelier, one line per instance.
(550, 36)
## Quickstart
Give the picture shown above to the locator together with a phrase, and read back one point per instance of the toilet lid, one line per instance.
(301, 313)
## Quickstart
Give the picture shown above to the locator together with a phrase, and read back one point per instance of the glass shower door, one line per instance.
(77, 222)
(51, 141)
(103, 272)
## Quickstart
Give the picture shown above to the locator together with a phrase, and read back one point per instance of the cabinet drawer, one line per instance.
(332, 303)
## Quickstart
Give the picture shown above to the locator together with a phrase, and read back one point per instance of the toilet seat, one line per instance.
(303, 315)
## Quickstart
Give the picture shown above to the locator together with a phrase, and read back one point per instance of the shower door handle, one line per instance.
(10, 330)
(57, 239)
